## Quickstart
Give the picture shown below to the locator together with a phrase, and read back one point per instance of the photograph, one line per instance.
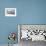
(22, 22)
(10, 11)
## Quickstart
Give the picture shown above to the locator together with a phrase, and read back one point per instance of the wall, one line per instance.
(28, 12)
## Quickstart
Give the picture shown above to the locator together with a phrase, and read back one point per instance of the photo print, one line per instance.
(10, 11)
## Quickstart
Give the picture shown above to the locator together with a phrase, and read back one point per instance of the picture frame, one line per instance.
(10, 12)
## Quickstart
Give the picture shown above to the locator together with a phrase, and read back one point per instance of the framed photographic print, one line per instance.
(10, 11)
